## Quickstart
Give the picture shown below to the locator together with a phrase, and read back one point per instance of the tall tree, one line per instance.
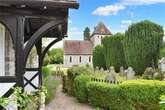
(87, 34)
(113, 51)
(142, 45)
(98, 57)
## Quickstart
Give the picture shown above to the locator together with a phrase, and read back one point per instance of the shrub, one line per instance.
(51, 86)
(98, 57)
(45, 71)
(71, 75)
(142, 45)
(80, 87)
(113, 51)
(130, 95)
(162, 102)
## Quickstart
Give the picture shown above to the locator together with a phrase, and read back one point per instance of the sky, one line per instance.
(117, 15)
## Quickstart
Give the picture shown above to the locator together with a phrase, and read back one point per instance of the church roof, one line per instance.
(101, 29)
(77, 47)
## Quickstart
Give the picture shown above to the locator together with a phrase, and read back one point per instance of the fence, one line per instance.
(105, 81)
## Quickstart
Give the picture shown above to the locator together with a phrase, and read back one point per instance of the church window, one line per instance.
(80, 59)
(89, 58)
(70, 59)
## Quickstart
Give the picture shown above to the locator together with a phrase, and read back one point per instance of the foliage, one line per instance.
(56, 56)
(72, 73)
(130, 95)
(98, 57)
(113, 51)
(80, 87)
(87, 33)
(24, 100)
(51, 86)
(142, 45)
(162, 50)
(162, 102)
(46, 60)
(49, 82)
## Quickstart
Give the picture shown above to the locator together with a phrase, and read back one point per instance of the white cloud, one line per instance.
(141, 2)
(108, 10)
(121, 5)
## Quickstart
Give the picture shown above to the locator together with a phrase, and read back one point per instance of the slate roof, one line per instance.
(101, 29)
(77, 47)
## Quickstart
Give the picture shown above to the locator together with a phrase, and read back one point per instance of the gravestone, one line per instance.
(130, 73)
(111, 77)
(102, 69)
(122, 73)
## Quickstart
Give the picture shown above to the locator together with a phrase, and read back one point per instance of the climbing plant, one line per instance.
(142, 45)
(113, 51)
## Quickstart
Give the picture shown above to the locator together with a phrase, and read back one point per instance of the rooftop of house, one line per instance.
(101, 29)
(77, 47)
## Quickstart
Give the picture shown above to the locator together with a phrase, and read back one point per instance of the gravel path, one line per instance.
(64, 102)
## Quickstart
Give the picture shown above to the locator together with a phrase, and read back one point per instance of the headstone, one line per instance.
(130, 73)
(102, 69)
(122, 71)
(111, 77)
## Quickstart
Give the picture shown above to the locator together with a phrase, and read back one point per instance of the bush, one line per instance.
(104, 95)
(45, 71)
(130, 95)
(51, 86)
(80, 87)
(71, 75)
(162, 102)
(113, 51)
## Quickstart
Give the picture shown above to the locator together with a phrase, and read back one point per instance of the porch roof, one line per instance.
(39, 4)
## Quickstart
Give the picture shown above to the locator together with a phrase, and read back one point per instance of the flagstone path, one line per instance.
(64, 102)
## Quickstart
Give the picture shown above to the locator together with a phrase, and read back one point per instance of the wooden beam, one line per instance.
(35, 13)
(39, 34)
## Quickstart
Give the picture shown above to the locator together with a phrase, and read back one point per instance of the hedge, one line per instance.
(142, 45)
(113, 51)
(130, 95)
(72, 73)
(80, 87)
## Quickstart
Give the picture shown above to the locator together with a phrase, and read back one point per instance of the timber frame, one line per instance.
(28, 21)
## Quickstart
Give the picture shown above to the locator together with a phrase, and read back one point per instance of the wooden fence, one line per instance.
(105, 81)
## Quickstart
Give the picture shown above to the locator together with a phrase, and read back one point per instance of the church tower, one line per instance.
(99, 33)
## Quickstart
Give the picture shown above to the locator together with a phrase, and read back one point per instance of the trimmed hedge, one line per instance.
(130, 95)
(80, 87)
(72, 73)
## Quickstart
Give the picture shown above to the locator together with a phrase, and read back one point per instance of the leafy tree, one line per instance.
(56, 56)
(142, 45)
(162, 50)
(98, 57)
(87, 34)
(113, 51)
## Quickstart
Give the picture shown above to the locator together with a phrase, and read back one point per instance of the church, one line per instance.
(79, 52)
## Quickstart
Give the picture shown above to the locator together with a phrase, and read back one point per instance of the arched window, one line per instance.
(89, 58)
(70, 59)
(80, 59)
